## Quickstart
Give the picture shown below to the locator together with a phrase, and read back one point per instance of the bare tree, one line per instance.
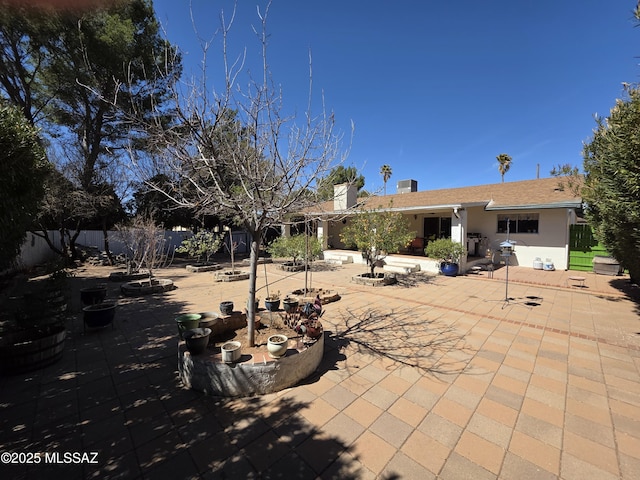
(145, 245)
(234, 153)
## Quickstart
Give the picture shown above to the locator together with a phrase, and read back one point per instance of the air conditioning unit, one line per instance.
(407, 186)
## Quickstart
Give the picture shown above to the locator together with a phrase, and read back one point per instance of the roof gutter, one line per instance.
(536, 206)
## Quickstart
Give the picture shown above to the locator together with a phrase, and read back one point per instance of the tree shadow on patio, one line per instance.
(406, 338)
(630, 290)
(411, 280)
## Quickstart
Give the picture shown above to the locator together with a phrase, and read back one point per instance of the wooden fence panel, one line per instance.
(583, 246)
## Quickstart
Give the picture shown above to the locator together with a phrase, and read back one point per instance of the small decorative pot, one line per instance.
(277, 346)
(93, 295)
(231, 352)
(290, 305)
(272, 305)
(197, 340)
(187, 321)
(226, 308)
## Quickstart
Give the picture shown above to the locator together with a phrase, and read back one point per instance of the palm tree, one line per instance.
(504, 163)
(385, 171)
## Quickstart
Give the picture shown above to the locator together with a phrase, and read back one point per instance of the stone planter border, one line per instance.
(250, 376)
(374, 282)
(135, 289)
(230, 276)
(199, 268)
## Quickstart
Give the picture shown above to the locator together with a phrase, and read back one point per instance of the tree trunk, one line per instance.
(253, 275)
(105, 235)
(72, 243)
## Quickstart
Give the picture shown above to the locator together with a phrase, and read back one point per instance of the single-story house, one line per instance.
(535, 215)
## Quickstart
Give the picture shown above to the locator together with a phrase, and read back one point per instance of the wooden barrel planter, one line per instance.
(30, 350)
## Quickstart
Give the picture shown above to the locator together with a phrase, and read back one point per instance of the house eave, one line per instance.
(536, 206)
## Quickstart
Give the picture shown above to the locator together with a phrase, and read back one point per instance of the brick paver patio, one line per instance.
(435, 377)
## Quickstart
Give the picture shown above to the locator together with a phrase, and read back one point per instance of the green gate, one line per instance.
(583, 247)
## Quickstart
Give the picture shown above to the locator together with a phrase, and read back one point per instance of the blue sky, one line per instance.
(437, 89)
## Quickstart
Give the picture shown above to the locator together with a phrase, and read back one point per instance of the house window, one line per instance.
(519, 223)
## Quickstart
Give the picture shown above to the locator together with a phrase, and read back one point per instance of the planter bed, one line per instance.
(293, 267)
(201, 267)
(250, 375)
(379, 280)
(326, 296)
(231, 276)
(127, 277)
(158, 285)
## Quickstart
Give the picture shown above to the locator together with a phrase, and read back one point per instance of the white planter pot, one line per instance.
(231, 352)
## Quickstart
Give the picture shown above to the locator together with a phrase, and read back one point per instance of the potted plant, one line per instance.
(290, 304)
(272, 301)
(230, 351)
(447, 252)
(226, 307)
(187, 321)
(277, 345)
(196, 340)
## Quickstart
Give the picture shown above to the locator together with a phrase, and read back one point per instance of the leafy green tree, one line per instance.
(376, 233)
(386, 172)
(26, 35)
(22, 176)
(80, 75)
(296, 247)
(201, 245)
(504, 164)
(337, 176)
(611, 189)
